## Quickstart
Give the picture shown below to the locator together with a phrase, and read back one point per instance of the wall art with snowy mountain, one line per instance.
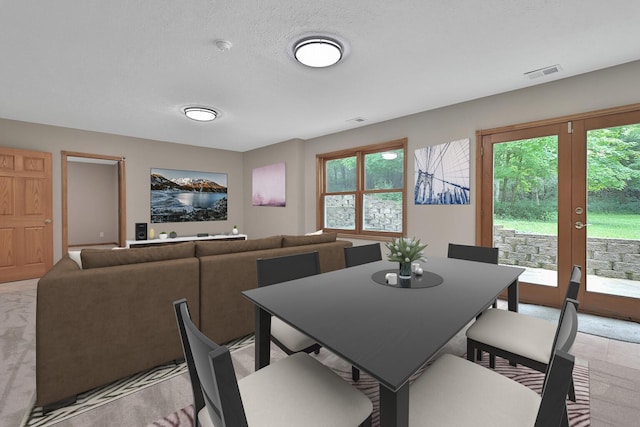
(185, 196)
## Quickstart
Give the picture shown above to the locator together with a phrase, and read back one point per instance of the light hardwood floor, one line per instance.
(614, 368)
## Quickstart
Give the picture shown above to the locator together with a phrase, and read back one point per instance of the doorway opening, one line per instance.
(93, 200)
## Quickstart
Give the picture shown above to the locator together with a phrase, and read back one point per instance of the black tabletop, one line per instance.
(386, 331)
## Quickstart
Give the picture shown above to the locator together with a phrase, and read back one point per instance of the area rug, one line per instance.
(579, 413)
(123, 388)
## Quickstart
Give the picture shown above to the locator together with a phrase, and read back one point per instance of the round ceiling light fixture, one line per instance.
(318, 51)
(223, 45)
(200, 114)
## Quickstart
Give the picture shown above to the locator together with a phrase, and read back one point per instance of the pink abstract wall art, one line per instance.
(269, 185)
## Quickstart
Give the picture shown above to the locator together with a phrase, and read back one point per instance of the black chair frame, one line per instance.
(478, 254)
(184, 322)
(474, 253)
(558, 380)
(218, 387)
(358, 255)
(282, 269)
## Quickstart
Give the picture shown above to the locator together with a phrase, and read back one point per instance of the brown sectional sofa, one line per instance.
(113, 317)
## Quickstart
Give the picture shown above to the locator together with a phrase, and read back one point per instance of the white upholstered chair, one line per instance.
(292, 392)
(524, 339)
(456, 392)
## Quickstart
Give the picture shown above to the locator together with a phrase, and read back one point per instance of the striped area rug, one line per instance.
(119, 389)
(579, 414)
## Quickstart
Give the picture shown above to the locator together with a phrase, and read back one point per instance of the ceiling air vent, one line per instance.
(543, 72)
(357, 120)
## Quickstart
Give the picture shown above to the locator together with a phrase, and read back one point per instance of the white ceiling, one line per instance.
(129, 67)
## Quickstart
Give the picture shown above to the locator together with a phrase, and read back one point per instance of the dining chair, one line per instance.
(294, 391)
(282, 269)
(456, 392)
(525, 339)
(358, 255)
(474, 253)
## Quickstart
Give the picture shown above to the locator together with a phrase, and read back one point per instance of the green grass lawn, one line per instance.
(616, 226)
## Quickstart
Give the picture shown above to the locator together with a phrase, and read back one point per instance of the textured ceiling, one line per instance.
(129, 67)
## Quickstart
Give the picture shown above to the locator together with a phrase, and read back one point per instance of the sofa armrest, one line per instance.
(98, 325)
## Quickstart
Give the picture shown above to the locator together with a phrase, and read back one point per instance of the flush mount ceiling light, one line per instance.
(318, 51)
(389, 155)
(200, 114)
(223, 45)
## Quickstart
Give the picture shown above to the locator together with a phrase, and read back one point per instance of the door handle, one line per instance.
(579, 225)
(47, 221)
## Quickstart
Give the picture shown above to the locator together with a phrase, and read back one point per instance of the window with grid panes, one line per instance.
(362, 191)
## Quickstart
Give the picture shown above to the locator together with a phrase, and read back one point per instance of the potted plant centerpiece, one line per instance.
(405, 250)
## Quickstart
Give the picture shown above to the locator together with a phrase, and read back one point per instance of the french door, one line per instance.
(567, 192)
(607, 233)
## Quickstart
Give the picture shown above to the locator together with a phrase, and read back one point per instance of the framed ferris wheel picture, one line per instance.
(442, 174)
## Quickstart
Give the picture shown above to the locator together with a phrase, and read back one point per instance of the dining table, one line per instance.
(387, 331)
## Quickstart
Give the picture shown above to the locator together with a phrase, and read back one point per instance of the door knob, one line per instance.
(580, 225)
(47, 221)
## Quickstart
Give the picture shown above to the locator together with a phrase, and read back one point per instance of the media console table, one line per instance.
(169, 240)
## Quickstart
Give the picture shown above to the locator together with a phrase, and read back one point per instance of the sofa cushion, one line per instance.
(206, 248)
(96, 258)
(288, 241)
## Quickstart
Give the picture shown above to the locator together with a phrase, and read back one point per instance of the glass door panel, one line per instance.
(525, 207)
(613, 211)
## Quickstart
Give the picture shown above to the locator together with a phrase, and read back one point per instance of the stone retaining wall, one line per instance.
(380, 214)
(615, 258)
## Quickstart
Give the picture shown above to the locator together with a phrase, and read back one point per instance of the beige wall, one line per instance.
(436, 225)
(439, 225)
(141, 155)
(92, 203)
